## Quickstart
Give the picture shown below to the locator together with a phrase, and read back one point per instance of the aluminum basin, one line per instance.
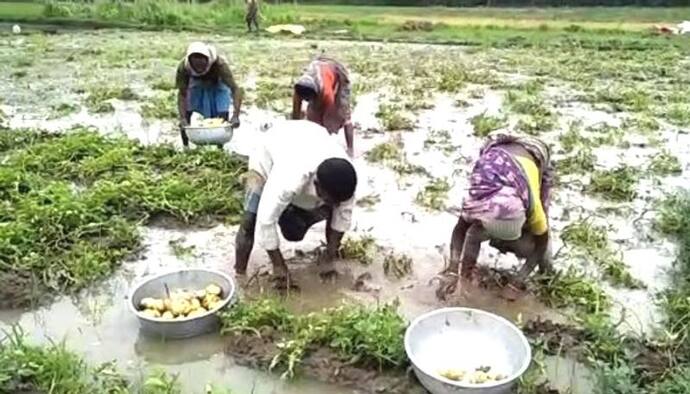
(195, 279)
(465, 338)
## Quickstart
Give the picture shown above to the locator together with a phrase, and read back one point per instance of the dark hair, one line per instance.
(305, 92)
(338, 178)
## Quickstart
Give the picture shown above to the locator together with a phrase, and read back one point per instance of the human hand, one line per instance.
(235, 121)
(448, 284)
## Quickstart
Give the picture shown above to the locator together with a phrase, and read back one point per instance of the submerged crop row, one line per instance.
(71, 203)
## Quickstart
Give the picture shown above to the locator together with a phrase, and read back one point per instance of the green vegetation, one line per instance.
(571, 289)
(369, 201)
(582, 162)
(161, 106)
(370, 337)
(54, 369)
(72, 202)
(664, 164)
(392, 118)
(398, 266)
(616, 185)
(441, 140)
(63, 109)
(361, 249)
(484, 124)
(592, 242)
(434, 194)
(385, 152)
(99, 97)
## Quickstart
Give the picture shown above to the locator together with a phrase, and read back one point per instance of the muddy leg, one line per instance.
(244, 242)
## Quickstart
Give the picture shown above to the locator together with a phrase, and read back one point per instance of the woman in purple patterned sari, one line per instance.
(507, 204)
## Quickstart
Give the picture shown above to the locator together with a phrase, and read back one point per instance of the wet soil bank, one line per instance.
(322, 364)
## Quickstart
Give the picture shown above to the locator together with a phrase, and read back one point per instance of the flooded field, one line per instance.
(618, 132)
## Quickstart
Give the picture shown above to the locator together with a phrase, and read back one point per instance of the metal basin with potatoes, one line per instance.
(183, 327)
(218, 135)
(467, 340)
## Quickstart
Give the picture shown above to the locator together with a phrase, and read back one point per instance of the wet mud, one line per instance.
(322, 364)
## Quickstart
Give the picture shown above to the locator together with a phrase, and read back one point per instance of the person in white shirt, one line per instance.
(298, 176)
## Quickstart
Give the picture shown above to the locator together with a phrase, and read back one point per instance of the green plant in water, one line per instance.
(392, 118)
(63, 109)
(678, 114)
(52, 368)
(592, 241)
(582, 162)
(583, 234)
(99, 96)
(368, 337)
(387, 151)
(272, 95)
(535, 125)
(369, 201)
(664, 164)
(441, 140)
(527, 103)
(434, 194)
(161, 106)
(617, 184)
(571, 289)
(72, 203)
(484, 124)
(179, 250)
(362, 249)
(571, 138)
(398, 266)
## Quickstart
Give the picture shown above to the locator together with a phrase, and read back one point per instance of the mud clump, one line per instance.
(321, 364)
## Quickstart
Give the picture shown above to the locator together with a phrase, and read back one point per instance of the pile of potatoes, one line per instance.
(182, 303)
(212, 122)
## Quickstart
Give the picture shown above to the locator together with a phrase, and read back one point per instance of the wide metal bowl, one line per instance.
(466, 339)
(192, 279)
(209, 135)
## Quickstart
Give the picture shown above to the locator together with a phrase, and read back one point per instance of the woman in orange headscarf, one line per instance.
(325, 85)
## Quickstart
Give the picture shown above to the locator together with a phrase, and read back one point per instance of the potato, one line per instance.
(200, 294)
(147, 303)
(196, 312)
(196, 304)
(213, 289)
(209, 300)
(151, 313)
(167, 303)
(159, 305)
(453, 374)
(179, 306)
(167, 315)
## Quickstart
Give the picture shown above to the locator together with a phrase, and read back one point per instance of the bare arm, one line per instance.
(296, 106)
(471, 247)
(349, 131)
(538, 257)
(182, 106)
(457, 242)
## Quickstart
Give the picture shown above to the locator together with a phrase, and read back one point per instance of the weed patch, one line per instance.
(370, 337)
(664, 164)
(582, 162)
(71, 203)
(53, 368)
(434, 194)
(484, 124)
(616, 185)
(441, 140)
(398, 266)
(99, 97)
(161, 106)
(571, 289)
(392, 118)
(361, 249)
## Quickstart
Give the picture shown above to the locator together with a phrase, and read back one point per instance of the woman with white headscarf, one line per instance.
(206, 85)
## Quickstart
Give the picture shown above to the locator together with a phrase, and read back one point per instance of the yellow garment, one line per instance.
(536, 218)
